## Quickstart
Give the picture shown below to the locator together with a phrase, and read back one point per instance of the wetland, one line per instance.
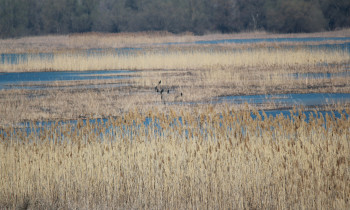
(154, 120)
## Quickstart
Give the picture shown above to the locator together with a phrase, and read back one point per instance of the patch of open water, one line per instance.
(309, 99)
(16, 58)
(22, 79)
(244, 41)
(259, 40)
(320, 75)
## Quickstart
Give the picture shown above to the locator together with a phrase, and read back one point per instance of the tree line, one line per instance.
(38, 17)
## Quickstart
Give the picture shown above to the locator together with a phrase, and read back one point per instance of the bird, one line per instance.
(179, 97)
(156, 88)
(160, 90)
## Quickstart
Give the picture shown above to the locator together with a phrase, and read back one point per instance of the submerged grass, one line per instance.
(221, 161)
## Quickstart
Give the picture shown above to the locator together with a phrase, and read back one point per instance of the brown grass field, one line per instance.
(220, 158)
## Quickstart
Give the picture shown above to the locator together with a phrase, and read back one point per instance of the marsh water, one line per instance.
(320, 75)
(260, 40)
(101, 127)
(309, 99)
(23, 80)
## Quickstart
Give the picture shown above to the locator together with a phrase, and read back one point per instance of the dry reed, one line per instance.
(119, 40)
(181, 60)
(203, 157)
(221, 161)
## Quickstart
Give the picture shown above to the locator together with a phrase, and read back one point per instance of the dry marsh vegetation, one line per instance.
(62, 100)
(188, 154)
(196, 73)
(221, 161)
(109, 40)
(179, 59)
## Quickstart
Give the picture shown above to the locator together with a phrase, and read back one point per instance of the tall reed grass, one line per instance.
(180, 60)
(198, 159)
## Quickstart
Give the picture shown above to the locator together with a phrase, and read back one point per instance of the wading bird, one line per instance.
(156, 88)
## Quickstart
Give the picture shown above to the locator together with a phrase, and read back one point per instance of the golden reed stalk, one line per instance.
(220, 161)
(180, 60)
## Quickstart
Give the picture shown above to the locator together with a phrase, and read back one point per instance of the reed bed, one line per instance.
(198, 159)
(177, 59)
(160, 151)
(59, 43)
(56, 43)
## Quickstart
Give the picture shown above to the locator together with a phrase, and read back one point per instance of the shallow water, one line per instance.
(244, 41)
(153, 125)
(13, 58)
(248, 41)
(309, 99)
(320, 75)
(22, 79)
(44, 86)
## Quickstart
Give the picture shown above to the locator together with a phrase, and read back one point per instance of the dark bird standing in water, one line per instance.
(160, 90)
(156, 87)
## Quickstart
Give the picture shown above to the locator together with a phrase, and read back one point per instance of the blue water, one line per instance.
(310, 99)
(260, 40)
(320, 75)
(116, 51)
(247, 41)
(44, 86)
(12, 58)
(9, 79)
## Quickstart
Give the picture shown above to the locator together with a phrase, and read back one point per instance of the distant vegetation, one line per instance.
(38, 17)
